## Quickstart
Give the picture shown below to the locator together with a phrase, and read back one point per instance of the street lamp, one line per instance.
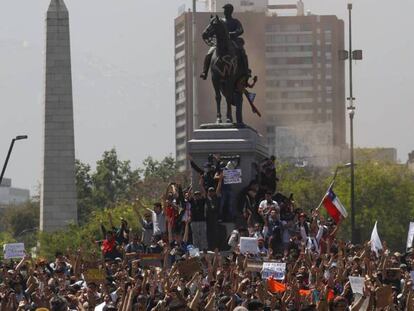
(339, 167)
(20, 137)
(351, 55)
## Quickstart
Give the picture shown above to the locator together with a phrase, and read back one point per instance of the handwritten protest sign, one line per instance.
(94, 275)
(357, 284)
(232, 176)
(254, 265)
(384, 296)
(248, 245)
(13, 250)
(189, 267)
(275, 269)
(410, 235)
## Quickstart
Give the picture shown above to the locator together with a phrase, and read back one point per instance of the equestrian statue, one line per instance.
(229, 65)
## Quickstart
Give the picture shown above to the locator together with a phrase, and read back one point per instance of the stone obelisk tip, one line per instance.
(57, 6)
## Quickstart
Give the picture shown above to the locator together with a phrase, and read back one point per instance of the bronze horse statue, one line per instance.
(227, 73)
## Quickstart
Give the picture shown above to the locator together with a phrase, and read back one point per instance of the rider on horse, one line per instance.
(235, 30)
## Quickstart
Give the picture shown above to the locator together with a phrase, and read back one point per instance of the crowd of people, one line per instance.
(184, 259)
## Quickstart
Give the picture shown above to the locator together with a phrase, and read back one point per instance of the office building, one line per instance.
(410, 162)
(12, 196)
(301, 88)
(380, 154)
(239, 5)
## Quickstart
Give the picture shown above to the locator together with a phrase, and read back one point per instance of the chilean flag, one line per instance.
(333, 206)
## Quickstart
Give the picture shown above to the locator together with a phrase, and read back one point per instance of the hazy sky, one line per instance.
(123, 77)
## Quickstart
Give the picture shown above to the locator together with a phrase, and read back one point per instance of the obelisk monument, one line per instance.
(58, 206)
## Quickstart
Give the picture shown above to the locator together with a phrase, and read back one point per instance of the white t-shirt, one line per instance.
(158, 221)
(266, 206)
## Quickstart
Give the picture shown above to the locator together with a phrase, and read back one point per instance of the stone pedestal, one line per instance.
(230, 142)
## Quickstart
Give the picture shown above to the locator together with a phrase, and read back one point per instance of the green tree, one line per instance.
(113, 180)
(384, 192)
(157, 176)
(307, 184)
(84, 187)
(21, 222)
(87, 236)
(165, 169)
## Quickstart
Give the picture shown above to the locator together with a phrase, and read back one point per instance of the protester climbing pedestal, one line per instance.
(229, 142)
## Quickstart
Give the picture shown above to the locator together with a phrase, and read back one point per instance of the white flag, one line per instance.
(376, 244)
(410, 235)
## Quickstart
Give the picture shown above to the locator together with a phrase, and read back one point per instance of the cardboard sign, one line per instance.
(151, 260)
(13, 250)
(357, 284)
(94, 275)
(254, 265)
(277, 270)
(410, 235)
(248, 245)
(189, 267)
(384, 296)
(232, 176)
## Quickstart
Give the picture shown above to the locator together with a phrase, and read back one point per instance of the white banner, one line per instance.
(275, 269)
(410, 235)
(13, 250)
(232, 176)
(248, 245)
(357, 284)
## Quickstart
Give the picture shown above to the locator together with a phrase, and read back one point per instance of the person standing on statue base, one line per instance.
(198, 221)
(212, 206)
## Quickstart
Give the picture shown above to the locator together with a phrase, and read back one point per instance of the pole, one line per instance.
(194, 61)
(7, 160)
(351, 109)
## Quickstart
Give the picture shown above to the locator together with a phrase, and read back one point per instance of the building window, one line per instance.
(328, 36)
(272, 28)
(291, 27)
(179, 84)
(179, 49)
(305, 38)
(180, 95)
(180, 61)
(306, 27)
(291, 39)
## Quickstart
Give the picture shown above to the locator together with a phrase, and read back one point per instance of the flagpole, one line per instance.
(330, 186)
(338, 167)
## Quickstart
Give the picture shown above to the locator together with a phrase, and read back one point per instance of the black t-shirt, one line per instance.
(212, 206)
(197, 210)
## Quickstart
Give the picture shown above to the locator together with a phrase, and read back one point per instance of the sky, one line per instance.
(123, 77)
